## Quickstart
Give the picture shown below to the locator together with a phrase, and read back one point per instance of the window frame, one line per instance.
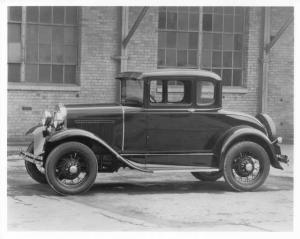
(176, 31)
(165, 80)
(206, 105)
(200, 51)
(243, 43)
(123, 87)
(51, 64)
(20, 62)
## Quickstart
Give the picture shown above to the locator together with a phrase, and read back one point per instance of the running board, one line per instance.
(157, 168)
(183, 169)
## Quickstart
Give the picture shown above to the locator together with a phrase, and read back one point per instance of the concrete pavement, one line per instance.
(131, 200)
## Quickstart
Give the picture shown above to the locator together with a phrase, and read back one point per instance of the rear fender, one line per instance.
(244, 133)
(70, 134)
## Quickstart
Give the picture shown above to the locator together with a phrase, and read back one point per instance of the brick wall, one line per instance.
(142, 48)
(281, 68)
(281, 74)
(248, 102)
(100, 38)
(99, 41)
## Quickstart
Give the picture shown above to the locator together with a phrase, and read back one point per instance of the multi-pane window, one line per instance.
(47, 47)
(222, 42)
(222, 33)
(178, 36)
(14, 43)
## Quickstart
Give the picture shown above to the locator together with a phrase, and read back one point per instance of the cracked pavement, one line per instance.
(135, 201)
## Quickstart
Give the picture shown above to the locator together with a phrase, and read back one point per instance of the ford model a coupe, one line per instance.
(167, 121)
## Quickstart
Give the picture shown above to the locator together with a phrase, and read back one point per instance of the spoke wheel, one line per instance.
(71, 168)
(36, 172)
(246, 166)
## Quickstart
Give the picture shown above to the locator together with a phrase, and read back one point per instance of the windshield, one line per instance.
(132, 92)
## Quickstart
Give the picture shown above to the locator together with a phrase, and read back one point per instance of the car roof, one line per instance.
(168, 72)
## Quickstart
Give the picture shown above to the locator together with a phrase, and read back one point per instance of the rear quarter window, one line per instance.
(205, 93)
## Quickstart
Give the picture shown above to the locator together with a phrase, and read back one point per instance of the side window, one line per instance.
(175, 92)
(156, 91)
(170, 92)
(205, 93)
(132, 92)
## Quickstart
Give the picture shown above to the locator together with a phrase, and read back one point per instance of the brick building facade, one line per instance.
(95, 33)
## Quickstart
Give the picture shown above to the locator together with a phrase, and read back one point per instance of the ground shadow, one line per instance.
(29, 187)
(148, 187)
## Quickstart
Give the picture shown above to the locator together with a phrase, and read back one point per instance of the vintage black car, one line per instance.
(167, 121)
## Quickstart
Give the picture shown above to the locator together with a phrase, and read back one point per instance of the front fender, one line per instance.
(38, 133)
(31, 130)
(75, 133)
(69, 133)
(242, 133)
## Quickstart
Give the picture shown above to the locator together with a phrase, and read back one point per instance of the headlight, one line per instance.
(59, 116)
(47, 118)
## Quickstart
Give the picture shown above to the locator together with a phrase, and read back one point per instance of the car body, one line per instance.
(167, 121)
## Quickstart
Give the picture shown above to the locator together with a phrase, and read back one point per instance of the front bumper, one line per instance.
(38, 160)
(36, 154)
(282, 158)
(279, 158)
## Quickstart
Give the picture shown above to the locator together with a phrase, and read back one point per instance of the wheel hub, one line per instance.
(73, 169)
(69, 168)
(244, 166)
(249, 167)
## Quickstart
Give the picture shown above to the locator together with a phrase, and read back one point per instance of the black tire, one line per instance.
(61, 158)
(235, 166)
(208, 177)
(35, 173)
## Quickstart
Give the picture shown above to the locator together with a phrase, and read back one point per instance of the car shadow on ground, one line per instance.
(29, 188)
(217, 187)
(148, 187)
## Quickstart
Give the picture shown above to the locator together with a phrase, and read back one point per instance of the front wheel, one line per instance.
(246, 166)
(71, 168)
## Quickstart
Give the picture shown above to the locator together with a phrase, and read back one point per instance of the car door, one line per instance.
(174, 134)
(134, 135)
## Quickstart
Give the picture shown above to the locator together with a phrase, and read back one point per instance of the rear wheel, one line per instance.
(71, 168)
(208, 177)
(37, 173)
(246, 166)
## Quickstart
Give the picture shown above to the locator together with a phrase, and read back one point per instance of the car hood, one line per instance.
(72, 106)
(93, 111)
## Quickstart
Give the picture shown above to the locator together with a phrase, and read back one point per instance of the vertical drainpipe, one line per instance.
(23, 32)
(123, 58)
(265, 59)
(125, 13)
